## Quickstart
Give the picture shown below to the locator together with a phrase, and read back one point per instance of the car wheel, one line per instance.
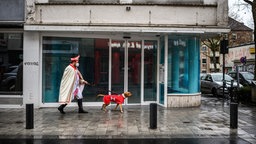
(214, 92)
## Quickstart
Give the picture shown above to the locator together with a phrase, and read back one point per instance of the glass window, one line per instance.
(203, 60)
(150, 71)
(183, 65)
(247, 75)
(11, 67)
(94, 57)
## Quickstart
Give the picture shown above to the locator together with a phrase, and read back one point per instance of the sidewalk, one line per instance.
(210, 120)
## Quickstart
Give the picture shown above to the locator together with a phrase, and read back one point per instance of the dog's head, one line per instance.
(127, 94)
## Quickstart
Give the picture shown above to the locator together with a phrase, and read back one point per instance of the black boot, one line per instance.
(61, 108)
(80, 105)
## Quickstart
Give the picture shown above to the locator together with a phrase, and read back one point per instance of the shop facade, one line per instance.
(152, 55)
(11, 53)
(237, 53)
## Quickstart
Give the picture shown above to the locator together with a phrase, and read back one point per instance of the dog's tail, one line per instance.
(98, 96)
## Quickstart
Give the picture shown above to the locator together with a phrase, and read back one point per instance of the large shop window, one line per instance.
(94, 58)
(183, 65)
(11, 56)
(150, 70)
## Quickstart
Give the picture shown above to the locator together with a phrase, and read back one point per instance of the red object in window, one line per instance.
(116, 69)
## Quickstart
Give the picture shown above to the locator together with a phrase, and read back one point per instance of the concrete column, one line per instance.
(31, 67)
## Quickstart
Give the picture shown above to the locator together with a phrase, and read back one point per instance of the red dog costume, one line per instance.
(119, 99)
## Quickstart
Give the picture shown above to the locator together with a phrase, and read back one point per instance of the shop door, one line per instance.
(126, 68)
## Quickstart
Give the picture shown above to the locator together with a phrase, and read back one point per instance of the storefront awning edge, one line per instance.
(124, 29)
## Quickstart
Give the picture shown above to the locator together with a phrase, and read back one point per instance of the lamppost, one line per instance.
(223, 51)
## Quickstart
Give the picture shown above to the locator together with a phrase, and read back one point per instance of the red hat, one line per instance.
(75, 58)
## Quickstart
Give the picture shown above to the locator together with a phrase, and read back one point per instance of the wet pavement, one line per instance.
(128, 141)
(209, 123)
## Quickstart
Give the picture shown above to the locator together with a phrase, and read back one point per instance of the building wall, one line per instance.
(147, 15)
(7, 13)
(137, 15)
(234, 55)
(152, 20)
(237, 38)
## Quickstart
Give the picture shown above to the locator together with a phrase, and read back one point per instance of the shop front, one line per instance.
(160, 69)
(109, 65)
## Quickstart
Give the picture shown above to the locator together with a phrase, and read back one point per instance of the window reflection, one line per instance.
(93, 64)
(183, 65)
(11, 67)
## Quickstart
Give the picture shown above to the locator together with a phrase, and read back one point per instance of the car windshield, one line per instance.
(202, 76)
(248, 76)
(220, 77)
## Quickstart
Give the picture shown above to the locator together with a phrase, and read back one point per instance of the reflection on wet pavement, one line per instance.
(128, 141)
(209, 121)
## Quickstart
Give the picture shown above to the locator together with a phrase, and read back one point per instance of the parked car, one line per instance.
(213, 84)
(9, 79)
(245, 78)
(202, 75)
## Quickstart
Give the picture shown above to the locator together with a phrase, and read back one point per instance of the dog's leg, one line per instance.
(121, 108)
(116, 106)
(103, 107)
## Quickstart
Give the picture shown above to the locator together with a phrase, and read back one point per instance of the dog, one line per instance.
(118, 99)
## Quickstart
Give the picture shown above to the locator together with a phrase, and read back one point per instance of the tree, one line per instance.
(214, 45)
(252, 3)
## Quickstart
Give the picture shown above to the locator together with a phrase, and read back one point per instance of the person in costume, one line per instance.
(71, 86)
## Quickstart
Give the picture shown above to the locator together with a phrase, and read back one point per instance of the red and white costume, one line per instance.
(119, 99)
(71, 85)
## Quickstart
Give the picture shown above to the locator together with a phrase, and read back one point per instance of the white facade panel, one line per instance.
(31, 69)
(183, 16)
(62, 14)
(125, 15)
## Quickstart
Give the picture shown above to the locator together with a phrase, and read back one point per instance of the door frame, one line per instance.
(142, 40)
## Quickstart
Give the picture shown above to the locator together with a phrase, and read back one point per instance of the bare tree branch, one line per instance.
(213, 44)
(248, 1)
(206, 54)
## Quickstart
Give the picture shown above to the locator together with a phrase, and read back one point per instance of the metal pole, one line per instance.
(29, 116)
(237, 76)
(223, 69)
(233, 115)
(234, 105)
(153, 115)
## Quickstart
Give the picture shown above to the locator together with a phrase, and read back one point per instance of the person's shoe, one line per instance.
(61, 108)
(82, 111)
(80, 106)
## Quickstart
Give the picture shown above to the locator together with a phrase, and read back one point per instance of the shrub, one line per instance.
(244, 94)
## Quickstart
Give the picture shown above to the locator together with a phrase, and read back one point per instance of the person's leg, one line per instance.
(80, 106)
(61, 108)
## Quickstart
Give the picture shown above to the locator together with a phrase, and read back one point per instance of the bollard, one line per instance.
(153, 115)
(29, 116)
(233, 115)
